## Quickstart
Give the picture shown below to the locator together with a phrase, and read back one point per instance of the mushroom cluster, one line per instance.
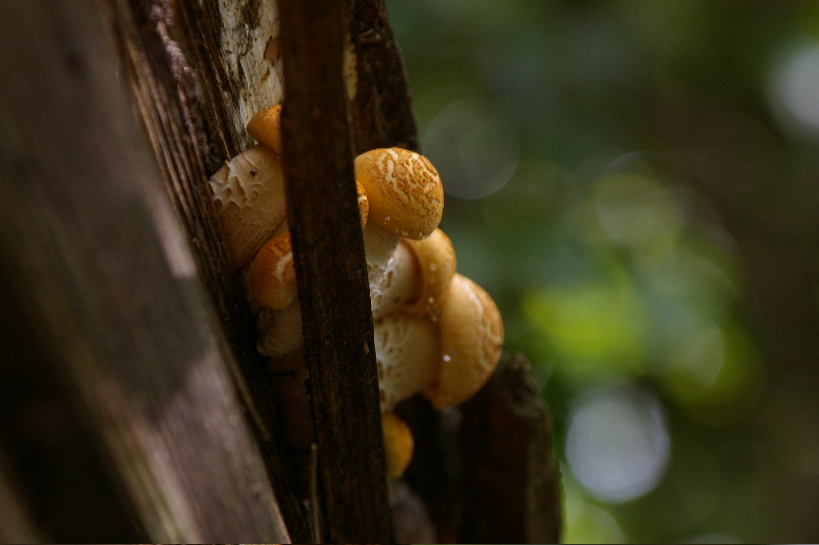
(436, 332)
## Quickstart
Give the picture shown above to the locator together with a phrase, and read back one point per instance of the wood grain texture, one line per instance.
(381, 108)
(509, 473)
(198, 72)
(109, 282)
(110, 238)
(328, 251)
(485, 470)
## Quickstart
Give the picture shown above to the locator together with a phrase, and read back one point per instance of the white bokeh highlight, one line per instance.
(617, 444)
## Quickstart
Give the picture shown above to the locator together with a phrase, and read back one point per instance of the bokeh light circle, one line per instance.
(617, 443)
(474, 148)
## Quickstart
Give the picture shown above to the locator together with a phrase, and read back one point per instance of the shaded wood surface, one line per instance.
(485, 470)
(198, 72)
(381, 109)
(509, 473)
(331, 272)
(109, 286)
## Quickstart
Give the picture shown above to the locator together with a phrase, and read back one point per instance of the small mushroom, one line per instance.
(266, 127)
(436, 262)
(406, 199)
(398, 444)
(471, 340)
(270, 280)
(405, 191)
(248, 192)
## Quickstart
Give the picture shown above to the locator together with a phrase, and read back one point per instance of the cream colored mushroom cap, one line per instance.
(265, 127)
(407, 355)
(404, 189)
(248, 193)
(436, 263)
(471, 341)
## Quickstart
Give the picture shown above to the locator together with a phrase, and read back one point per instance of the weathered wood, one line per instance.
(93, 246)
(381, 108)
(485, 469)
(198, 72)
(508, 471)
(331, 272)
(116, 297)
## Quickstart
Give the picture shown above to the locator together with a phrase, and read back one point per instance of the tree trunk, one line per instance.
(136, 405)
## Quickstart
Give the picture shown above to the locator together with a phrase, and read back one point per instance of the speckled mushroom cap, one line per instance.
(436, 263)
(404, 189)
(407, 355)
(363, 204)
(270, 280)
(265, 126)
(248, 192)
(471, 341)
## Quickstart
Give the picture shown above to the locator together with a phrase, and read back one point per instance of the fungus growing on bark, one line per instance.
(248, 192)
(266, 127)
(436, 332)
(407, 352)
(406, 199)
(436, 260)
(270, 280)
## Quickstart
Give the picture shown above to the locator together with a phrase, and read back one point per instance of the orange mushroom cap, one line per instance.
(265, 126)
(404, 189)
(270, 280)
(471, 342)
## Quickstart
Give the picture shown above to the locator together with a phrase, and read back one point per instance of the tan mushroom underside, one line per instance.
(248, 192)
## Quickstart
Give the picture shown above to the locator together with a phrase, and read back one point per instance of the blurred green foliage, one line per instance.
(635, 183)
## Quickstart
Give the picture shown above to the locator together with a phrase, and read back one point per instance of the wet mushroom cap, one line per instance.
(471, 333)
(265, 127)
(404, 189)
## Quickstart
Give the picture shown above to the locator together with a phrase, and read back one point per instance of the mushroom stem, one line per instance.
(399, 285)
(379, 246)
